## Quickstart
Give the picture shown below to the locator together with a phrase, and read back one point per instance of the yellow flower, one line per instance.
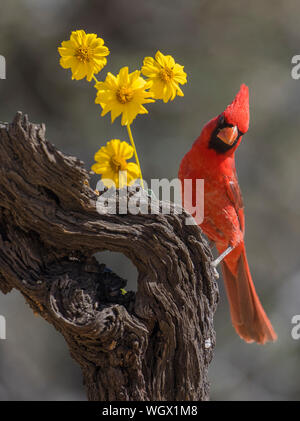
(165, 76)
(84, 54)
(123, 94)
(111, 162)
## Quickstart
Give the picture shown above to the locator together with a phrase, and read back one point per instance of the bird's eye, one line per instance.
(221, 120)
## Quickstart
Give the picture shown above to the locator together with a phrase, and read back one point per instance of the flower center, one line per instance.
(83, 54)
(118, 163)
(124, 95)
(166, 74)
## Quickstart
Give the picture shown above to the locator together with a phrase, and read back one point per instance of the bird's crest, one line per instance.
(237, 113)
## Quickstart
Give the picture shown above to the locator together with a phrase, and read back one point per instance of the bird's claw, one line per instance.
(219, 259)
(215, 272)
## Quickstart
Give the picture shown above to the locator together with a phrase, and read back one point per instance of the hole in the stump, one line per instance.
(120, 265)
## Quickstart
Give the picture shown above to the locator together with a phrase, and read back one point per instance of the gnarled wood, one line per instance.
(155, 344)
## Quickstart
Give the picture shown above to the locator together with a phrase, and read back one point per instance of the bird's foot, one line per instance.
(215, 272)
(221, 257)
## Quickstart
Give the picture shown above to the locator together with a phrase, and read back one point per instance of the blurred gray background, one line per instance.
(221, 44)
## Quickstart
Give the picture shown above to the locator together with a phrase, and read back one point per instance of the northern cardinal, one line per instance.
(211, 158)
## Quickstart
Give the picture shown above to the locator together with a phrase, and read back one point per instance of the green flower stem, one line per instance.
(135, 152)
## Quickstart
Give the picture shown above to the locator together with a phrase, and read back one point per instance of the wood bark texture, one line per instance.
(152, 344)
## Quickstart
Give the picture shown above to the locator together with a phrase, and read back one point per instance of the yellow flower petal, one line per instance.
(124, 95)
(160, 58)
(84, 54)
(123, 76)
(133, 171)
(164, 76)
(126, 150)
(100, 168)
(113, 166)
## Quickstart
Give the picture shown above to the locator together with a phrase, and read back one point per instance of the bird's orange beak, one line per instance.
(228, 134)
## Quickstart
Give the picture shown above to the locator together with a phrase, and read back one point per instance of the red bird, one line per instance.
(211, 158)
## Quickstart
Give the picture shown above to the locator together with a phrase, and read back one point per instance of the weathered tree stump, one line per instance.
(155, 344)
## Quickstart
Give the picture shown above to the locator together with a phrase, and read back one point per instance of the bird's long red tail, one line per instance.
(248, 316)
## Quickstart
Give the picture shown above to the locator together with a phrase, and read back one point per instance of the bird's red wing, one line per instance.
(235, 196)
